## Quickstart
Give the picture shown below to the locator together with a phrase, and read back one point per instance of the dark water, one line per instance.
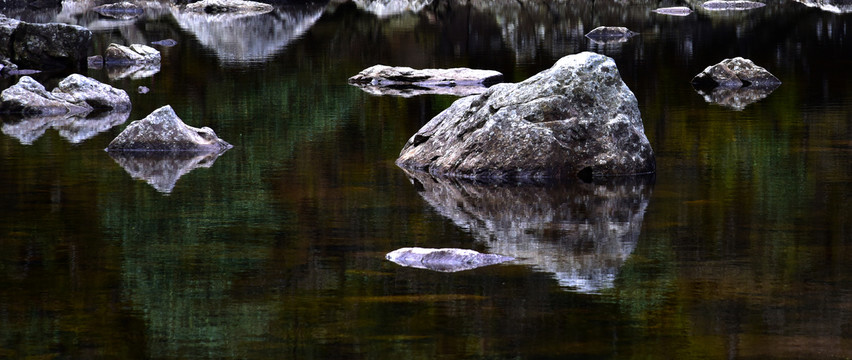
(738, 248)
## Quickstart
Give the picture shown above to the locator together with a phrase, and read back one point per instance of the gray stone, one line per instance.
(50, 46)
(731, 5)
(76, 94)
(405, 81)
(735, 73)
(444, 260)
(128, 55)
(606, 34)
(674, 11)
(576, 119)
(229, 6)
(388, 8)
(834, 6)
(163, 130)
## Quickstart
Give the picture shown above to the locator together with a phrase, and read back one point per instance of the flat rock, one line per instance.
(116, 54)
(445, 259)
(405, 81)
(576, 119)
(610, 33)
(674, 11)
(76, 94)
(731, 5)
(163, 130)
(229, 7)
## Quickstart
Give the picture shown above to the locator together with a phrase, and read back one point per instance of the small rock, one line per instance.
(444, 260)
(735, 73)
(165, 42)
(163, 130)
(142, 89)
(405, 81)
(134, 54)
(95, 62)
(610, 34)
(674, 11)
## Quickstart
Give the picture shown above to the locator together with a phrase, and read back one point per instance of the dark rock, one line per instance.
(731, 5)
(165, 42)
(50, 46)
(444, 260)
(7, 30)
(130, 55)
(580, 232)
(405, 81)
(123, 10)
(735, 73)
(229, 7)
(95, 62)
(674, 11)
(76, 94)
(162, 169)
(576, 119)
(610, 34)
(163, 130)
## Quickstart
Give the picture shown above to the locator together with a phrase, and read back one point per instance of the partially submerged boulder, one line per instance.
(674, 11)
(735, 83)
(116, 54)
(445, 259)
(76, 94)
(606, 34)
(163, 130)
(576, 119)
(405, 81)
(229, 6)
(735, 73)
(731, 5)
(122, 10)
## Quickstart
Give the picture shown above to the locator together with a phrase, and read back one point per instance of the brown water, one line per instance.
(737, 248)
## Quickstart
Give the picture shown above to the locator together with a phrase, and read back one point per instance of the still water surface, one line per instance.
(737, 248)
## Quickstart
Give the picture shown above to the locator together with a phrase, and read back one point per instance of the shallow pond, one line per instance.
(737, 248)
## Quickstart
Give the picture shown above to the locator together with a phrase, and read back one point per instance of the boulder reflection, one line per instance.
(162, 169)
(736, 99)
(582, 233)
(236, 38)
(75, 129)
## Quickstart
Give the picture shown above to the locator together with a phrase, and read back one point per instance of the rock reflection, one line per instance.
(582, 233)
(162, 169)
(238, 38)
(75, 129)
(736, 99)
(134, 71)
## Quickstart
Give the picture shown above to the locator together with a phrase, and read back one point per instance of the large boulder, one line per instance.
(163, 130)
(405, 81)
(76, 94)
(445, 259)
(577, 118)
(49, 46)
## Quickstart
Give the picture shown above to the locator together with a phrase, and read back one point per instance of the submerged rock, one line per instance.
(405, 81)
(76, 94)
(123, 10)
(731, 5)
(229, 7)
(128, 55)
(576, 119)
(674, 11)
(444, 260)
(610, 34)
(163, 130)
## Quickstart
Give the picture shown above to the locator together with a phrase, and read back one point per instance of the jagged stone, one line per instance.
(163, 130)
(576, 119)
(76, 94)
